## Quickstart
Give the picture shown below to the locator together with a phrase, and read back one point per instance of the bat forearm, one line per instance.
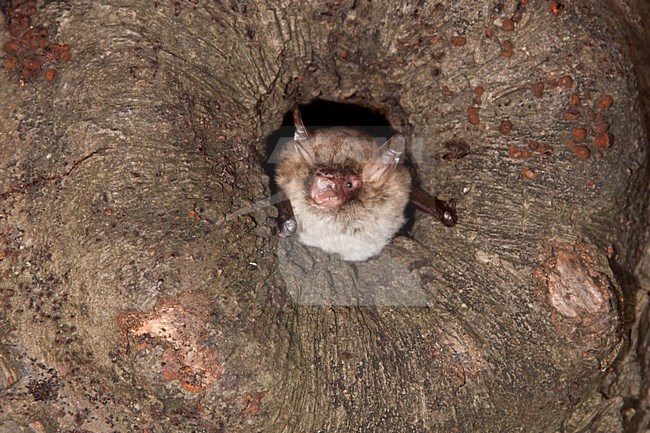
(286, 221)
(444, 211)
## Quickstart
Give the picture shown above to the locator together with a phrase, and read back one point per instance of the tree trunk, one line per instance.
(135, 297)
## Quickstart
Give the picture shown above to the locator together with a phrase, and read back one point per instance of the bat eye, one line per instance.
(349, 185)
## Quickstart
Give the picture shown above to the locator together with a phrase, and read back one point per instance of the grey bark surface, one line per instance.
(130, 301)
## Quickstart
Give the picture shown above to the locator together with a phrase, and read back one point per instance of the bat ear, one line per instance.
(387, 157)
(391, 151)
(301, 138)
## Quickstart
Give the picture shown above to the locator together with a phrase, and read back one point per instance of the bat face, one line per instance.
(348, 195)
(333, 187)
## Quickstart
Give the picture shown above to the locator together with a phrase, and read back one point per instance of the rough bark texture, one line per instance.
(130, 302)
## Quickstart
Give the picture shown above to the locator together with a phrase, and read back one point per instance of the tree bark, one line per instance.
(135, 297)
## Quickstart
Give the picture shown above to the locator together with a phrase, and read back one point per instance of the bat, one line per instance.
(346, 195)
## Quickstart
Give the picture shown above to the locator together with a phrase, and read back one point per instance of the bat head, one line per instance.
(348, 194)
(340, 166)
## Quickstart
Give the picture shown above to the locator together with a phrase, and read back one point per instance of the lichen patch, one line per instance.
(181, 332)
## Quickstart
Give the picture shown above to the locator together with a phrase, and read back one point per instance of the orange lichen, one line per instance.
(458, 41)
(582, 151)
(541, 148)
(580, 133)
(472, 115)
(251, 403)
(508, 25)
(193, 214)
(556, 7)
(575, 101)
(29, 49)
(506, 48)
(177, 327)
(50, 74)
(569, 115)
(517, 153)
(528, 173)
(606, 102)
(10, 63)
(566, 81)
(505, 127)
(603, 141)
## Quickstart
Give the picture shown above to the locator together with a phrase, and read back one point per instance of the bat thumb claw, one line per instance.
(288, 228)
(283, 229)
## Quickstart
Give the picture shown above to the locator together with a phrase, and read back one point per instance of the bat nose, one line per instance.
(325, 184)
(325, 192)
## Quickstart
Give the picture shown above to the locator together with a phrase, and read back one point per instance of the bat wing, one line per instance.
(443, 211)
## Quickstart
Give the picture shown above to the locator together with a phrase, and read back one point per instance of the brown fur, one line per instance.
(359, 228)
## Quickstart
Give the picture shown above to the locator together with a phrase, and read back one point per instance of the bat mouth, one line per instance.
(325, 193)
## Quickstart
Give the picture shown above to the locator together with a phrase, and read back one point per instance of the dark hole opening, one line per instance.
(321, 114)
